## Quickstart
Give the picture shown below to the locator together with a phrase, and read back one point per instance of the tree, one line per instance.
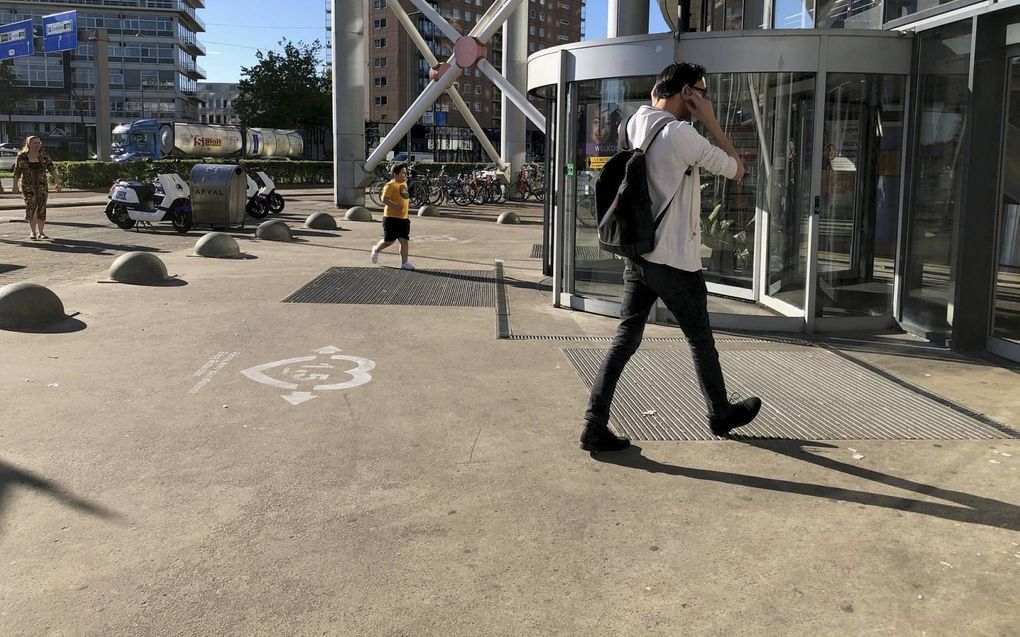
(10, 94)
(286, 90)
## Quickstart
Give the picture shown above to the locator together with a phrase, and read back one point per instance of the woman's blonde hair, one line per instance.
(28, 140)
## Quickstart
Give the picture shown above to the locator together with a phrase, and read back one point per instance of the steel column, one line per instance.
(627, 17)
(513, 125)
(349, 73)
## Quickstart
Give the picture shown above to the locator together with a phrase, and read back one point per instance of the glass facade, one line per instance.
(756, 233)
(882, 181)
(152, 52)
(938, 168)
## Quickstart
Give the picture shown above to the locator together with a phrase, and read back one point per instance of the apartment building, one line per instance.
(153, 52)
(217, 106)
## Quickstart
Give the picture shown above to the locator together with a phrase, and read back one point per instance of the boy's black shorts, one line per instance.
(394, 228)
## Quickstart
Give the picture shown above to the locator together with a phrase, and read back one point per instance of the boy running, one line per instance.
(395, 224)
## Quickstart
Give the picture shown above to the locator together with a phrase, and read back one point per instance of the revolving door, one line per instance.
(808, 239)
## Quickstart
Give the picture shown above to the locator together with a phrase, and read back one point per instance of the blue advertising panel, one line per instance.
(16, 40)
(440, 118)
(60, 32)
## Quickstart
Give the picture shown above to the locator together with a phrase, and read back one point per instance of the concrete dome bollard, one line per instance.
(428, 211)
(508, 217)
(274, 230)
(138, 268)
(26, 305)
(217, 245)
(321, 221)
(358, 213)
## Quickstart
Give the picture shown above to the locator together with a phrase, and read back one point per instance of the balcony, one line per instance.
(187, 11)
(193, 46)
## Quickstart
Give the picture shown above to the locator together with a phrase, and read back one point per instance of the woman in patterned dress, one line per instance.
(31, 166)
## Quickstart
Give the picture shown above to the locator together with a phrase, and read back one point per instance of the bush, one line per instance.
(99, 175)
(96, 175)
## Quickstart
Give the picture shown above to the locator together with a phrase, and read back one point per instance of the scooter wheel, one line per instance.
(276, 203)
(118, 213)
(181, 221)
(257, 209)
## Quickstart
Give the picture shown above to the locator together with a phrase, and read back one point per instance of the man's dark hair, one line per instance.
(675, 77)
(396, 169)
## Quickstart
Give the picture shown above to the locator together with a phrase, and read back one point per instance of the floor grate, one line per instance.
(581, 253)
(393, 286)
(812, 394)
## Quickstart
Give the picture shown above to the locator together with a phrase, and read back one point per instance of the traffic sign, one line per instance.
(60, 32)
(440, 118)
(16, 40)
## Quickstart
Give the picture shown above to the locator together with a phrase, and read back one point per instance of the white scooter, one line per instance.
(268, 191)
(168, 198)
(255, 203)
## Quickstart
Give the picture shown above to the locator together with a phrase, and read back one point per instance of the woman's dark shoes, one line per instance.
(740, 414)
(596, 439)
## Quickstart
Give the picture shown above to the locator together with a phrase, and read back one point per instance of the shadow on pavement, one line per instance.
(973, 510)
(67, 325)
(12, 477)
(10, 267)
(80, 247)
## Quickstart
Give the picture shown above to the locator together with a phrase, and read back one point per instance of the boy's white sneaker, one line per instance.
(375, 256)
(406, 265)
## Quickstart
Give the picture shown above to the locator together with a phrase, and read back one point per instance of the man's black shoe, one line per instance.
(740, 414)
(596, 439)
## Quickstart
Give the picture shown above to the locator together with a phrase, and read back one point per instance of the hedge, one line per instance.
(94, 175)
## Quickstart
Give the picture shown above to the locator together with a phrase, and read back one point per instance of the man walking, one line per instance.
(672, 270)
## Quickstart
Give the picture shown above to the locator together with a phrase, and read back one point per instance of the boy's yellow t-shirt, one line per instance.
(396, 192)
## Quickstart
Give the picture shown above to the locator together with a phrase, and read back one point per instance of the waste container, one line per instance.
(217, 194)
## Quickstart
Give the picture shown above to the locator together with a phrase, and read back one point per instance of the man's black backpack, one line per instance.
(623, 206)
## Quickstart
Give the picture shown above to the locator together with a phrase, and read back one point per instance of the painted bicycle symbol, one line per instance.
(306, 374)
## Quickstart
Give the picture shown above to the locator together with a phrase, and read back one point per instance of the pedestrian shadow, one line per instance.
(77, 246)
(973, 509)
(12, 477)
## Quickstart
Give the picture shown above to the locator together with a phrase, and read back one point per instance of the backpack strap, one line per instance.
(625, 138)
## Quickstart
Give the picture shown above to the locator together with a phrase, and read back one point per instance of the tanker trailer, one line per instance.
(149, 138)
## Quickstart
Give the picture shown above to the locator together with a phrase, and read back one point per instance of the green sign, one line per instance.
(570, 170)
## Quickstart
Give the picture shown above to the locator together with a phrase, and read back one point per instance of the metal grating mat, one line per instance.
(393, 286)
(581, 253)
(811, 395)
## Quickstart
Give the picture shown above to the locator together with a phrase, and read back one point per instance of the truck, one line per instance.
(150, 138)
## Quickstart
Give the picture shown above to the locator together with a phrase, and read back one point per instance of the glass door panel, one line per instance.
(943, 96)
(728, 207)
(601, 106)
(787, 103)
(1006, 313)
(859, 199)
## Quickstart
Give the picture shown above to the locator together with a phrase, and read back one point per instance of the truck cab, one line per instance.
(137, 140)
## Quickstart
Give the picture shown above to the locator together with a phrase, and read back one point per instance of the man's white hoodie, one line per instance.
(678, 147)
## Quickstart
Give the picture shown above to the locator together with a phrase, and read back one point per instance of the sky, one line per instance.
(234, 32)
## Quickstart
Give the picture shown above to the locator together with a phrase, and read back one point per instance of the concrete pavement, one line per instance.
(148, 486)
